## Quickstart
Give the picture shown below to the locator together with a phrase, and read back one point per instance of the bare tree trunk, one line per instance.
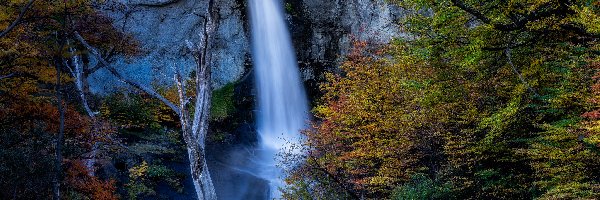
(197, 139)
(58, 162)
(194, 128)
(77, 71)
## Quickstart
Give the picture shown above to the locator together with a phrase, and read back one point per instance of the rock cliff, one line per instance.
(322, 31)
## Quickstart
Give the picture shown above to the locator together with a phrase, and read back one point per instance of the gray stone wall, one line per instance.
(329, 26)
(162, 28)
(322, 32)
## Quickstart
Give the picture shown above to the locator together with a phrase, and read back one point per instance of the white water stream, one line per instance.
(282, 104)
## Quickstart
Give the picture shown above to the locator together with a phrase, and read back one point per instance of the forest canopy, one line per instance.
(45, 137)
(473, 100)
(483, 100)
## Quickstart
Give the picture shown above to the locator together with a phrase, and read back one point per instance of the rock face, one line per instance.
(322, 31)
(162, 28)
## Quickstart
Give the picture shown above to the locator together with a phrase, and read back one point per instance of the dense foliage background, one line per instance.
(47, 140)
(480, 100)
(483, 100)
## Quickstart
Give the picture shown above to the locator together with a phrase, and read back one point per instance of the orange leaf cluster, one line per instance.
(78, 179)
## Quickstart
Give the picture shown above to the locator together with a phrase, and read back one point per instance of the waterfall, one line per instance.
(282, 105)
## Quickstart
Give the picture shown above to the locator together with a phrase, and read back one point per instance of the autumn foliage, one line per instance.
(32, 55)
(81, 183)
(482, 100)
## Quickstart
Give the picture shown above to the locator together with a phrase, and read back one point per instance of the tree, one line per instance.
(194, 125)
(33, 49)
(372, 132)
(484, 98)
(18, 19)
(525, 64)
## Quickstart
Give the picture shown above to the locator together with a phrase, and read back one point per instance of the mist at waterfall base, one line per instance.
(249, 170)
(281, 99)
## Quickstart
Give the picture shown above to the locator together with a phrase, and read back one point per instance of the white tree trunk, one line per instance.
(196, 137)
(194, 131)
(194, 128)
(77, 71)
(199, 130)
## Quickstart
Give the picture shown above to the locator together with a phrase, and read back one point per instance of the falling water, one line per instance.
(282, 104)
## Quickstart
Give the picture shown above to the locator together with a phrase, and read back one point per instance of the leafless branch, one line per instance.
(517, 22)
(18, 20)
(114, 72)
(508, 56)
(203, 74)
(8, 76)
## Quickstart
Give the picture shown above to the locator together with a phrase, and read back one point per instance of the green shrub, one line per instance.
(163, 173)
(138, 189)
(422, 187)
(131, 111)
(137, 185)
(289, 8)
(222, 102)
(144, 177)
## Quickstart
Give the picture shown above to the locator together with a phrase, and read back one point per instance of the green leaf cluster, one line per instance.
(491, 99)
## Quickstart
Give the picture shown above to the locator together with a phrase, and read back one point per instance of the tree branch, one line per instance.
(114, 71)
(203, 74)
(77, 73)
(88, 71)
(472, 11)
(509, 59)
(545, 10)
(7, 76)
(18, 20)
